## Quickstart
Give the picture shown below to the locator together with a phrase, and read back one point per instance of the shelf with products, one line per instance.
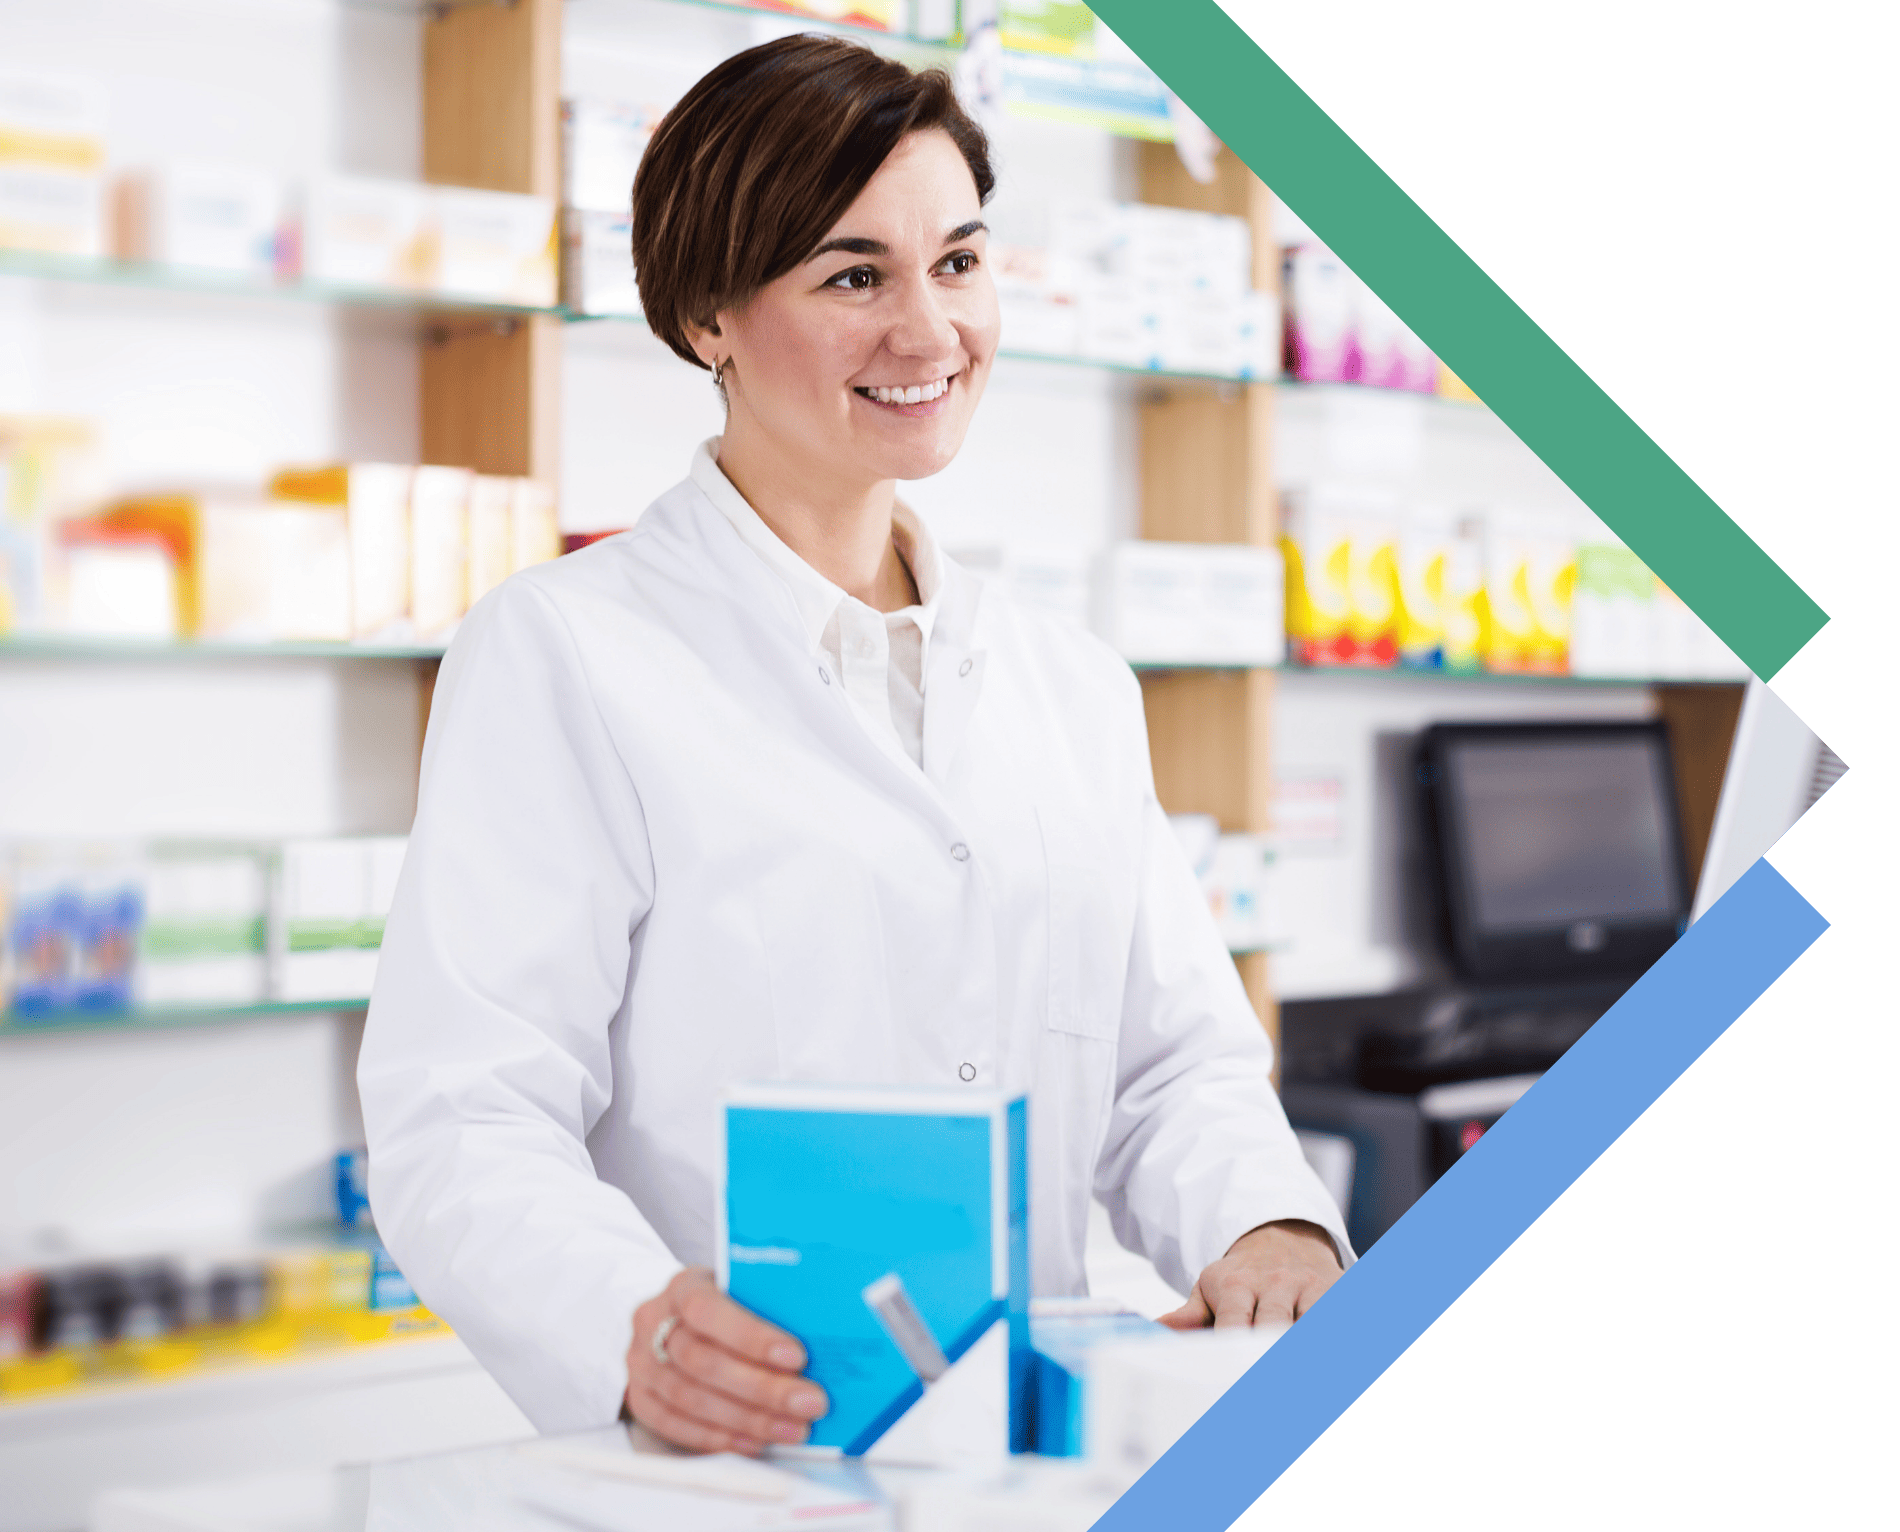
(162, 277)
(60, 647)
(1080, 75)
(14, 1024)
(335, 1349)
(1422, 677)
(860, 22)
(63, 646)
(248, 1382)
(116, 936)
(846, 21)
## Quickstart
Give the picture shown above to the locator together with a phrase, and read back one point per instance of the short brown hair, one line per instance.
(748, 173)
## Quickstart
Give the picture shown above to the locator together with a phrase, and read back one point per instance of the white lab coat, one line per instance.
(656, 850)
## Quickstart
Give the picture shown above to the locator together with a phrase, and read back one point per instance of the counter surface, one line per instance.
(617, 1480)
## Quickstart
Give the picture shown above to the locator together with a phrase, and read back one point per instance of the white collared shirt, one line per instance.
(880, 657)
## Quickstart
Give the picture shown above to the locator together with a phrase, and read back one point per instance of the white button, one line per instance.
(966, 1072)
(824, 675)
(960, 851)
(966, 667)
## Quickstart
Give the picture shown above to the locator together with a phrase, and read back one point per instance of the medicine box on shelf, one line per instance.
(1192, 603)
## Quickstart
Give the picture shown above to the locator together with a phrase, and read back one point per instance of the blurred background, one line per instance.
(317, 322)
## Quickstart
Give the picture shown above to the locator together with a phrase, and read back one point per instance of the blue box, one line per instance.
(888, 1229)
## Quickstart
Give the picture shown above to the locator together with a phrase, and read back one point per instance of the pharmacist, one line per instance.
(768, 788)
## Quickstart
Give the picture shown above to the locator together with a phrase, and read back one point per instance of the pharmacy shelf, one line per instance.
(13, 1024)
(593, 11)
(1454, 403)
(150, 276)
(1462, 407)
(1453, 678)
(1039, 358)
(153, 277)
(61, 647)
(1457, 678)
(240, 1385)
(38, 646)
(1117, 95)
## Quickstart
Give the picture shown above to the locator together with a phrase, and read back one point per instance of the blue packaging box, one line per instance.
(888, 1229)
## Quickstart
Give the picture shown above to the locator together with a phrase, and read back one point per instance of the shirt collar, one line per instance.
(815, 597)
(919, 551)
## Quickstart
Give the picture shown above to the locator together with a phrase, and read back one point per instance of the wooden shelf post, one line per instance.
(1207, 477)
(1701, 722)
(491, 118)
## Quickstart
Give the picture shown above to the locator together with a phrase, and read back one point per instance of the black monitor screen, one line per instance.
(1559, 830)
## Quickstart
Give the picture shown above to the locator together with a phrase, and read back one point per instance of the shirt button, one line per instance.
(960, 851)
(966, 667)
(966, 1072)
(824, 675)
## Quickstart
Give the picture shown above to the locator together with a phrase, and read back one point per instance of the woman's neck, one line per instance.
(842, 530)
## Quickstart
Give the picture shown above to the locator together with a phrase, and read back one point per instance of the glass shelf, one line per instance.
(584, 11)
(1040, 358)
(1451, 677)
(12, 1024)
(152, 276)
(61, 646)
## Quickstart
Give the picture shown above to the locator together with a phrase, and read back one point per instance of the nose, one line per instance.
(921, 326)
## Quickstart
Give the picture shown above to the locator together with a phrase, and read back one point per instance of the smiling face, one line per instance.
(865, 363)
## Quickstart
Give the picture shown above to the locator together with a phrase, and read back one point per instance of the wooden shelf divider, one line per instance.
(491, 118)
(1207, 477)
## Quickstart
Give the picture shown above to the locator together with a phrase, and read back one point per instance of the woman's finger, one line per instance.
(670, 1425)
(1234, 1302)
(686, 1395)
(784, 1395)
(1192, 1315)
(702, 1307)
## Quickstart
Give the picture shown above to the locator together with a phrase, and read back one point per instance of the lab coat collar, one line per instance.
(815, 597)
(691, 530)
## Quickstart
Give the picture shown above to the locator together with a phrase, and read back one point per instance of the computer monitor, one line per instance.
(1558, 847)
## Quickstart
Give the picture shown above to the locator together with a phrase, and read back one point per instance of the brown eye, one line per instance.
(962, 263)
(858, 279)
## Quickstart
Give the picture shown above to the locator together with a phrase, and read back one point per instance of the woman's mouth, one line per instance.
(914, 399)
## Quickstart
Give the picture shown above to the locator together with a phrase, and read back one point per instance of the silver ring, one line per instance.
(660, 1332)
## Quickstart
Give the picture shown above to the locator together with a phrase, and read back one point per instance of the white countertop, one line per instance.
(618, 1480)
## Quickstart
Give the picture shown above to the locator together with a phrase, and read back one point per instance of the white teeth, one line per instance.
(921, 393)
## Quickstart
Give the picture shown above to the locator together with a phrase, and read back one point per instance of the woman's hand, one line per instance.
(730, 1381)
(1271, 1276)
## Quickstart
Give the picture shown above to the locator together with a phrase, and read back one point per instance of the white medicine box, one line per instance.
(52, 157)
(207, 217)
(601, 145)
(327, 928)
(496, 247)
(360, 231)
(1192, 603)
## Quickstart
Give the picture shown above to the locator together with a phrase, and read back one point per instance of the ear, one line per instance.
(708, 343)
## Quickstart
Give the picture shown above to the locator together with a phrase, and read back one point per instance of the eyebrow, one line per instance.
(877, 246)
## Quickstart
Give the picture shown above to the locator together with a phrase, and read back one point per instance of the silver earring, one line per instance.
(719, 373)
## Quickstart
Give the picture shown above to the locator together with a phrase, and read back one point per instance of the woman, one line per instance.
(767, 788)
